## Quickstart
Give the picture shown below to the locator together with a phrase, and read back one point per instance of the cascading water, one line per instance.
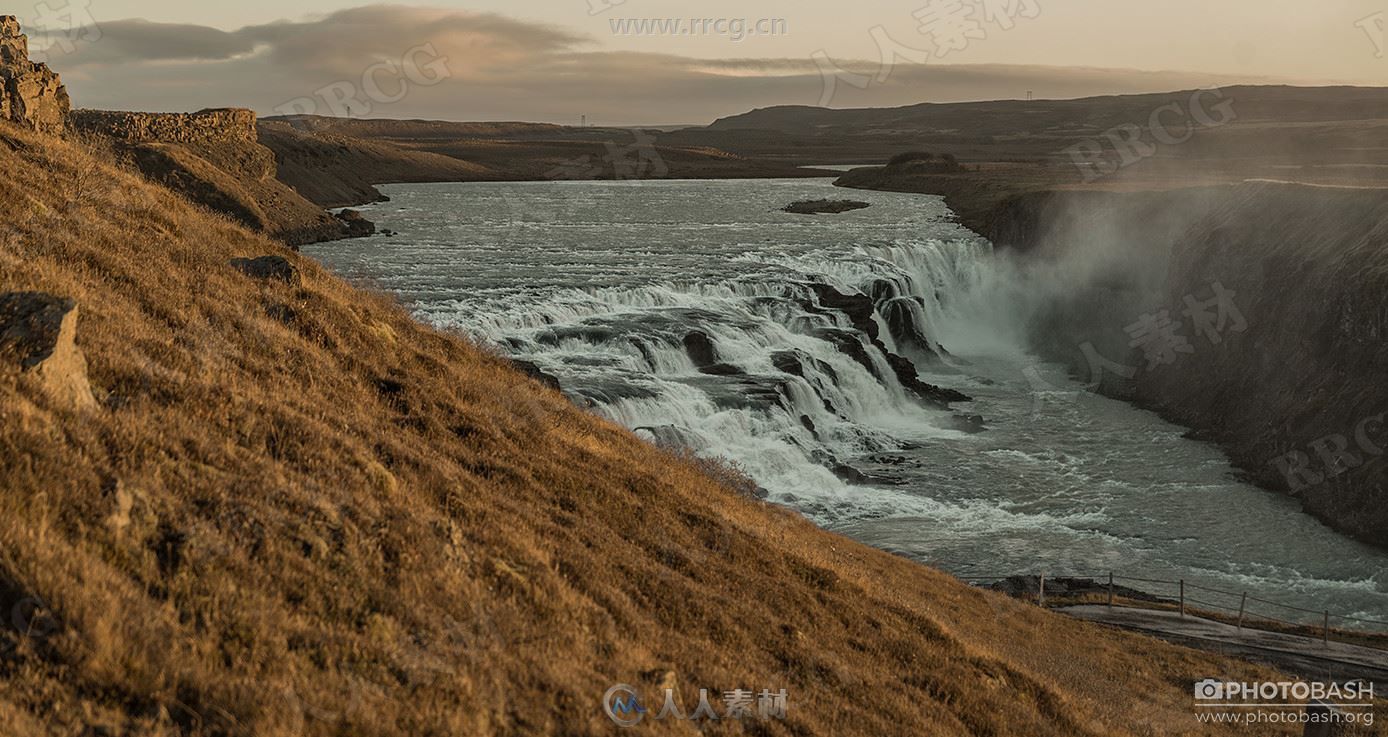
(818, 352)
(754, 370)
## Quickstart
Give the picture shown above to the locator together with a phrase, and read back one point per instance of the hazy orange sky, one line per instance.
(555, 60)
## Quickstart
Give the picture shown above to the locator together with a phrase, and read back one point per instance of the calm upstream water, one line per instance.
(692, 313)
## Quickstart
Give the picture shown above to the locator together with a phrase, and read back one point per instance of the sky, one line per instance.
(562, 60)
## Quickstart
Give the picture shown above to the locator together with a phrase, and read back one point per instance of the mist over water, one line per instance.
(602, 284)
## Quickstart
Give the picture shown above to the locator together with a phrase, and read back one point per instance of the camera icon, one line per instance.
(1209, 689)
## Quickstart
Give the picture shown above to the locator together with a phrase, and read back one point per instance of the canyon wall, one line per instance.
(1255, 314)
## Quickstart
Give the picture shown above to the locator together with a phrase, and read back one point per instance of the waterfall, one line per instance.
(700, 315)
(791, 370)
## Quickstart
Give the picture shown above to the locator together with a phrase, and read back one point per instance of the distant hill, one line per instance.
(411, 129)
(1281, 104)
(1268, 119)
(337, 161)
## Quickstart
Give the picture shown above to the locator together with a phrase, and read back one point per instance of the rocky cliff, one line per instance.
(214, 157)
(1254, 314)
(224, 125)
(31, 94)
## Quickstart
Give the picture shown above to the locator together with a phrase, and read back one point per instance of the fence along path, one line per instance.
(1245, 615)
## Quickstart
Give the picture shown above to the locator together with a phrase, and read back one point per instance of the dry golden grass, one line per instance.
(300, 512)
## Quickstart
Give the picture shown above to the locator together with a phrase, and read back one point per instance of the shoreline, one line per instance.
(1186, 236)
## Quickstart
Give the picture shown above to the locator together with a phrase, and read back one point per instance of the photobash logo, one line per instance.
(1305, 703)
(1212, 689)
(1209, 689)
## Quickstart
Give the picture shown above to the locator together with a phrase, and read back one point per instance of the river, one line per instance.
(692, 312)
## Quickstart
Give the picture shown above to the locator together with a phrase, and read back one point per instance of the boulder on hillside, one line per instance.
(38, 334)
(266, 267)
(31, 94)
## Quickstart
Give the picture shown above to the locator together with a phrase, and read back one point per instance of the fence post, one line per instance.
(1325, 634)
(1041, 594)
(1183, 598)
(1110, 589)
(1242, 603)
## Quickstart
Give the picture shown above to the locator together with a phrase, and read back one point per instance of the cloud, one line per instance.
(345, 41)
(136, 41)
(498, 68)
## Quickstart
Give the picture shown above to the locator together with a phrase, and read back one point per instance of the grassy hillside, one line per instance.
(299, 512)
(211, 157)
(339, 171)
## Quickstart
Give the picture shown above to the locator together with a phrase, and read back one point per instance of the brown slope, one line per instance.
(300, 512)
(214, 158)
(337, 170)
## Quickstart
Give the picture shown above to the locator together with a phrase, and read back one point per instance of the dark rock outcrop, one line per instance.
(823, 207)
(858, 307)
(38, 337)
(357, 225)
(860, 311)
(721, 369)
(275, 268)
(788, 362)
(31, 94)
(1023, 587)
(901, 316)
(906, 374)
(700, 349)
